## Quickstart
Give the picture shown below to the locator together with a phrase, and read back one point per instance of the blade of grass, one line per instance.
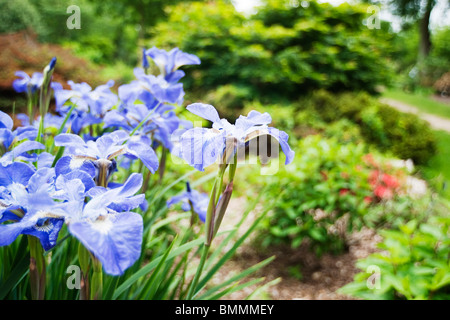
(16, 275)
(229, 253)
(262, 288)
(150, 266)
(237, 277)
(236, 288)
(149, 287)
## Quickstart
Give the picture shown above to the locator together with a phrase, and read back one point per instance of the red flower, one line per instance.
(373, 178)
(343, 192)
(383, 192)
(390, 181)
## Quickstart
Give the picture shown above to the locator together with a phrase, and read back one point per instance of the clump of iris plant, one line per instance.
(201, 147)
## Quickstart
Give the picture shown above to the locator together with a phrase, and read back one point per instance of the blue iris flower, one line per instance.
(199, 201)
(28, 84)
(9, 138)
(169, 62)
(145, 63)
(95, 156)
(104, 225)
(39, 202)
(97, 101)
(160, 124)
(91, 105)
(151, 90)
(50, 121)
(24, 200)
(201, 147)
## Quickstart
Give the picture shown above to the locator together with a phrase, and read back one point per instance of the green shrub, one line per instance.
(415, 264)
(409, 136)
(325, 181)
(404, 134)
(332, 188)
(230, 98)
(344, 131)
(281, 52)
(18, 15)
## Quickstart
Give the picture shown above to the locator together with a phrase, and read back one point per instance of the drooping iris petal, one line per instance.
(114, 239)
(9, 233)
(201, 147)
(5, 121)
(199, 202)
(119, 198)
(206, 111)
(8, 216)
(47, 232)
(70, 140)
(17, 172)
(182, 58)
(68, 164)
(28, 132)
(145, 153)
(45, 160)
(36, 222)
(20, 150)
(27, 84)
(282, 138)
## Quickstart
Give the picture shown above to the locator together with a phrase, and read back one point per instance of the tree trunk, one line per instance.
(425, 37)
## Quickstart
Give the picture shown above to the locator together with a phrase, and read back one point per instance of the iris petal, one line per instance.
(206, 111)
(114, 239)
(282, 138)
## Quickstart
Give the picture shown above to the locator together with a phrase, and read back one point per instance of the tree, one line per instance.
(416, 11)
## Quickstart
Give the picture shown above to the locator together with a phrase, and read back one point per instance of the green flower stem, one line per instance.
(162, 164)
(210, 213)
(220, 175)
(198, 274)
(61, 128)
(96, 280)
(193, 219)
(44, 102)
(232, 170)
(83, 258)
(37, 269)
(32, 101)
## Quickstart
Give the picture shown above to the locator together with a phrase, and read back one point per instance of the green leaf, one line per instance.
(151, 265)
(229, 253)
(237, 277)
(19, 271)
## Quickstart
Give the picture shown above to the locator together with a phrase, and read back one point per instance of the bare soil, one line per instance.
(303, 274)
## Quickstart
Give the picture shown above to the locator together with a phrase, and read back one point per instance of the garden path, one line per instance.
(436, 122)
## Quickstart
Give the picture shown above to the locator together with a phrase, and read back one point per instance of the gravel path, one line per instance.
(436, 122)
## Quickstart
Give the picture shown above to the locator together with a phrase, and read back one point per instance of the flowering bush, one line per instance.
(329, 190)
(80, 173)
